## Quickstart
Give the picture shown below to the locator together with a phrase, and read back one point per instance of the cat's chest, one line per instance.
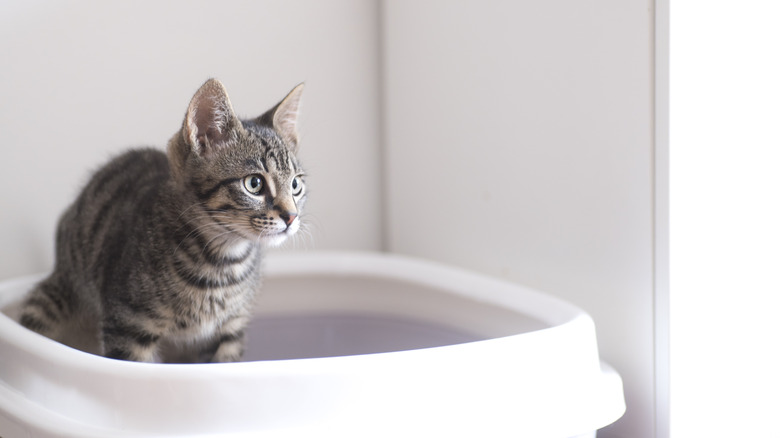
(205, 285)
(206, 291)
(199, 313)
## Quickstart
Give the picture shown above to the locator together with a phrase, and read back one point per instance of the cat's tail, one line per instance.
(48, 307)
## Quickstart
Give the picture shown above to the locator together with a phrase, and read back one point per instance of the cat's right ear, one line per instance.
(283, 118)
(210, 121)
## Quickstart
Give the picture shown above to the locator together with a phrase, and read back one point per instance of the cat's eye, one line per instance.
(253, 184)
(297, 186)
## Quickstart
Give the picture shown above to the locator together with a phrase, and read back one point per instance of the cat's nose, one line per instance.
(288, 217)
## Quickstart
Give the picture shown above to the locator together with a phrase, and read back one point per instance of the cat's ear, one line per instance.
(210, 119)
(284, 117)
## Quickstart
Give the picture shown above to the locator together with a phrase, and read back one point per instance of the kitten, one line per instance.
(158, 258)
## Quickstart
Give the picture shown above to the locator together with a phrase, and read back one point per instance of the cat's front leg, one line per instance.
(129, 340)
(229, 341)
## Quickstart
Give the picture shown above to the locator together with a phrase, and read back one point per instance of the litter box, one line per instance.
(348, 344)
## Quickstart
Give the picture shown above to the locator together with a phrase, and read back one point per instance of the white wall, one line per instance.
(519, 143)
(82, 80)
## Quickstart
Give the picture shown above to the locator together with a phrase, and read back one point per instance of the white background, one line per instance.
(725, 218)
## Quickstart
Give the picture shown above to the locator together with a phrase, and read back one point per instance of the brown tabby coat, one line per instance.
(158, 257)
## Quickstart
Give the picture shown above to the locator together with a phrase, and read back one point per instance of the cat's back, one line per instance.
(133, 168)
(126, 179)
(118, 195)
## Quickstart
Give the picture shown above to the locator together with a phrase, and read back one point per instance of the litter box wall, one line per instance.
(519, 142)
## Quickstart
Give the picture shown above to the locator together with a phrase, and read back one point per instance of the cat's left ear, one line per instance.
(210, 119)
(284, 117)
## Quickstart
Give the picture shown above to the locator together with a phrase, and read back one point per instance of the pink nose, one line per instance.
(288, 217)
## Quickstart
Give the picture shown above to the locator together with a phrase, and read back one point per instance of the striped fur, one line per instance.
(158, 258)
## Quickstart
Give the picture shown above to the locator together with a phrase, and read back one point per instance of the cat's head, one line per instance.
(243, 173)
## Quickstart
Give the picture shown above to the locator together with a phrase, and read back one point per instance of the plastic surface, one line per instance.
(356, 344)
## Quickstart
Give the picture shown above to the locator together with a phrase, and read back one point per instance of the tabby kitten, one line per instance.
(158, 258)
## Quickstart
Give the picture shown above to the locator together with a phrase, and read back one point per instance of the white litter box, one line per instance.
(349, 344)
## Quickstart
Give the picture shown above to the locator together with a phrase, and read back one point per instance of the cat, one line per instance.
(158, 258)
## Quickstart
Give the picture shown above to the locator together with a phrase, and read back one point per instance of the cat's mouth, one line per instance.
(276, 238)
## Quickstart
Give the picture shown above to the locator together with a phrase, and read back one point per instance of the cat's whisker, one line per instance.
(198, 230)
(303, 235)
(197, 204)
(206, 246)
(204, 217)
